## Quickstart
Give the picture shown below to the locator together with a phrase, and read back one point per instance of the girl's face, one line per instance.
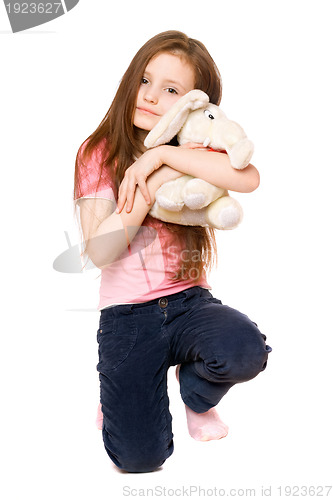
(167, 77)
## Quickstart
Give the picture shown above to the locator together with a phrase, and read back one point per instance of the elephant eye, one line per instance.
(209, 114)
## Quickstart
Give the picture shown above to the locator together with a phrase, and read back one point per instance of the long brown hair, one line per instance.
(123, 139)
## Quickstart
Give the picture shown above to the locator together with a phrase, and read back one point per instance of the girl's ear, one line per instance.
(171, 123)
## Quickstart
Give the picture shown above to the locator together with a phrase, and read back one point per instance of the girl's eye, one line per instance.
(171, 90)
(144, 80)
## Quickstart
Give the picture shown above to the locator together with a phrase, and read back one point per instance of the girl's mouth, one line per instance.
(147, 111)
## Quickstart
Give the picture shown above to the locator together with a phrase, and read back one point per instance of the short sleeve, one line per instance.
(93, 179)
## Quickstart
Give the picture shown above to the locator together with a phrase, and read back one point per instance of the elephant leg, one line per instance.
(169, 196)
(198, 193)
(185, 217)
(224, 213)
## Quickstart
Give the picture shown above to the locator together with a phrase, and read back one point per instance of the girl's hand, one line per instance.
(137, 174)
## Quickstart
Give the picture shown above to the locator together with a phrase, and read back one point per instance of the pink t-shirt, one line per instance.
(145, 269)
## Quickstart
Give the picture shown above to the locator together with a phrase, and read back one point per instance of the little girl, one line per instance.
(156, 309)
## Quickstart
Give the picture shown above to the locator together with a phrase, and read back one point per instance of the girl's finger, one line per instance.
(121, 196)
(144, 190)
(129, 203)
(130, 195)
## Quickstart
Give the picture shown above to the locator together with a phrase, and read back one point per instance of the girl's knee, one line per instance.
(140, 456)
(142, 466)
(243, 359)
(140, 462)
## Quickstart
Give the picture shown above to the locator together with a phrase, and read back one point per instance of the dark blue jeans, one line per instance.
(217, 347)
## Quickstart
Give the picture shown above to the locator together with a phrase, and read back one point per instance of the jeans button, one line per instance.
(163, 302)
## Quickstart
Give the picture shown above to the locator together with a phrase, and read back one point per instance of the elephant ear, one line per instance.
(171, 123)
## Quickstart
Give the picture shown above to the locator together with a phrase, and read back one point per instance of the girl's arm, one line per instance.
(210, 166)
(106, 233)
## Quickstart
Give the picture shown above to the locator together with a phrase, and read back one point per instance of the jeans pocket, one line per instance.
(116, 339)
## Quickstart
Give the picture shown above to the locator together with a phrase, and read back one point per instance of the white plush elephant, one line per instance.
(188, 200)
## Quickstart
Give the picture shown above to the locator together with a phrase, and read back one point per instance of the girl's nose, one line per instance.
(151, 96)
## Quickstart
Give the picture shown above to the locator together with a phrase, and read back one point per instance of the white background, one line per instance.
(57, 83)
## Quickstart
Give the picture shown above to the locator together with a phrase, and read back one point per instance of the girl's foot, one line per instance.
(99, 418)
(204, 426)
